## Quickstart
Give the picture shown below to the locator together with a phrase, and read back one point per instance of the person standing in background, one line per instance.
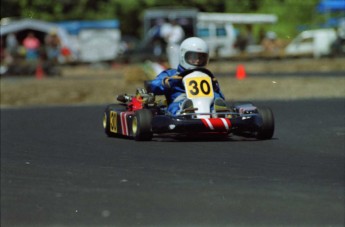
(12, 45)
(53, 46)
(173, 35)
(31, 45)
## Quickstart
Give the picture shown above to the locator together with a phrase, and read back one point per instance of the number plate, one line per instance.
(197, 87)
(113, 121)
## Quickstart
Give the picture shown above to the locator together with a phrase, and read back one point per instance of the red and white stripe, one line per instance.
(124, 125)
(217, 123)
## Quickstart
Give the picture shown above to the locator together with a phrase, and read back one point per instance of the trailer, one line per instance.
(94, 41)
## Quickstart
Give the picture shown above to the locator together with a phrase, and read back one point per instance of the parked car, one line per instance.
(316, 43)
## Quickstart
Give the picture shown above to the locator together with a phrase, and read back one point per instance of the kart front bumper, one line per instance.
(168, 124)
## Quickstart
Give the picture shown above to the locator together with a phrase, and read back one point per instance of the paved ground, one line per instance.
(59, 169)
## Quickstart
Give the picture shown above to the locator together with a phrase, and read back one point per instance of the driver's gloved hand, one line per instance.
(215, 84)
(173, 81)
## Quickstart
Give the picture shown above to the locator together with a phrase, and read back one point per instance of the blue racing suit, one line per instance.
(175, 93)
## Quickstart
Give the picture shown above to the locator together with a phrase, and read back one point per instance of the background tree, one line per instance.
(291, 13)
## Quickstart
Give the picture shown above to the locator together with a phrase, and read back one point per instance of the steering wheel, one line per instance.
(188, 71)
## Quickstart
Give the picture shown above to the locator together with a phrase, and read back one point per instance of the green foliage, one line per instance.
(291, 13)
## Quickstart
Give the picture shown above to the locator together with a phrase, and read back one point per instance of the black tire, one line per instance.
(141, 125)
(106, 117)
(267, 129)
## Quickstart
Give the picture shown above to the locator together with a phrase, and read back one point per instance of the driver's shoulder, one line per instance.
(171, 72)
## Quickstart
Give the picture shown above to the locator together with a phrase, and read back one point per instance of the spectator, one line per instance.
(173, 35)
(165, 30)
(53, 46)
(249, 35)
(262, 35)
(241, 43)
(270, 44)
(31, 45)
(158, 41)
(12, 45)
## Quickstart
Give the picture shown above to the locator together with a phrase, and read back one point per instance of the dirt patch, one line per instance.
(286, 65)
(99, 85)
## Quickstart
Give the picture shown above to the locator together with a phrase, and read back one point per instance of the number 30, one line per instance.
(204, 87)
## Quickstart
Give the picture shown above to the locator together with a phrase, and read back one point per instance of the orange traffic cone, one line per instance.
(240, 72)
(39, 72)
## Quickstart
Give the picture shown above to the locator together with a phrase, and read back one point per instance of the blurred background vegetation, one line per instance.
(292, 14)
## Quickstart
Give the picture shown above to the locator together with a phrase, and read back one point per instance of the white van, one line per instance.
(220, 37)
(217, 30)
(316, 43)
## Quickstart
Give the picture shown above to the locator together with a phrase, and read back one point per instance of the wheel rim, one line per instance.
(104, 120)
(135, 125)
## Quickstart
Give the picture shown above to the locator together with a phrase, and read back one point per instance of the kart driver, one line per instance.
(193, 54)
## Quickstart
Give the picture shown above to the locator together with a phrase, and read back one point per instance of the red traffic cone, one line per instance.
(240, 72)
(39, 72)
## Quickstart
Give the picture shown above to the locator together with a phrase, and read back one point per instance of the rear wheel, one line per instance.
(141, 125)
(267, 129)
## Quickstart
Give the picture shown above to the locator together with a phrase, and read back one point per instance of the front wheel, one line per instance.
(266, 131)
(141, 125)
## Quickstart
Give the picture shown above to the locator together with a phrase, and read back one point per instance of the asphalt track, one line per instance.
(59, 169)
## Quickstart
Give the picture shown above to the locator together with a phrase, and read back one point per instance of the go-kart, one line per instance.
(141, 116)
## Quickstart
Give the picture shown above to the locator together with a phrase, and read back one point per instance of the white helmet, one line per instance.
(193, 53)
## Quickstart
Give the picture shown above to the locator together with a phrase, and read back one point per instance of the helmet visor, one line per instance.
(196, 58)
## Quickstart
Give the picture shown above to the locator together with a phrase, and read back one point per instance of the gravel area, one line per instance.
(96, 84)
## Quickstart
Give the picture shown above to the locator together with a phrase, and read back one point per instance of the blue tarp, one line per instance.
(330, 6)
(73, 27)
